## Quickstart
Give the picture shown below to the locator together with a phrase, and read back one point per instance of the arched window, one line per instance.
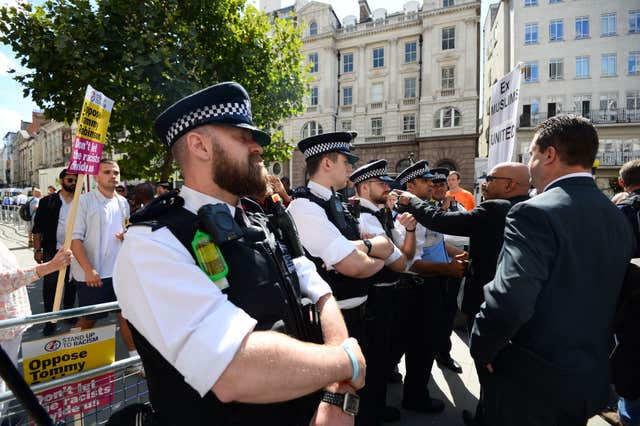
(311, 128)
(447, 164)
(447, 117)
(313, 28)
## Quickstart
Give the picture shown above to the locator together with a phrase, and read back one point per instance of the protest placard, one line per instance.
(503, 116)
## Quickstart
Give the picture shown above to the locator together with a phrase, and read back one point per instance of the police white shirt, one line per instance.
(175, 306)
(319, 236)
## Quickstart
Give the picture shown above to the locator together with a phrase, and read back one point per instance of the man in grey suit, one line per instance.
(544, 330)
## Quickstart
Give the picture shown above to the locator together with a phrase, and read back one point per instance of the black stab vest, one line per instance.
(385, 275)
(342, 286)
(262, 283)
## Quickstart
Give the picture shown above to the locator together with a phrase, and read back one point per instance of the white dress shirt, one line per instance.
(570, 175)
(170, 301)
(369, 224)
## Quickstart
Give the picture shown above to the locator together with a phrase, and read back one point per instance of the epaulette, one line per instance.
(158, 207)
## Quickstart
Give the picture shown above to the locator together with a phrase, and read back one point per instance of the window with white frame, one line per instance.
(409, 123)
(448, 77)
(376, 126)
(446, 118)
(556, 69)
(634, 63)
(311, 128)
(582, 27)
(346, 125)
(530, 72)
(531, 33)
(608, 101)
(634, 21)
(582, 67)
(347, 95)
(633, 100)
(378, 57)
(313, 101)
(313, 28)
(528, 3)
(409, 87)
(608, 24)
(347, 62)
(376, 92)
(410, 52)
(608, 64)
(448, 38)
(313, 62)
(448, 3)
(556, 30)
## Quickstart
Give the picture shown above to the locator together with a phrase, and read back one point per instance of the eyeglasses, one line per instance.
(119, 189)
(492, 178)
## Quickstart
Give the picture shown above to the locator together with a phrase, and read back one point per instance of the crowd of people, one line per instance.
(251, 303)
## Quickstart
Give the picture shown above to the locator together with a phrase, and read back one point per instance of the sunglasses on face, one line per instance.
(70, 180)
(492, 178)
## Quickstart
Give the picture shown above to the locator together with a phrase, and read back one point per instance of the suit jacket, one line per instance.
(46, 223)
(484, 226)
(547, 318)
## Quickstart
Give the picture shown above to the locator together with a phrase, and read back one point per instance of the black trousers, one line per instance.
(449, 306)
(49, 283)
(415, 335)
(379, 313)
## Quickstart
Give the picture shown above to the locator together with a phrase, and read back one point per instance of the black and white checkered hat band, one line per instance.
(369, 174)
(325, 147)
(411, 176)
(201, 115)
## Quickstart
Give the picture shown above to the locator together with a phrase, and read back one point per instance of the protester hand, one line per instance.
(276, 184)
(60, 260)
(462, 256)
(446, 203)
(407, 220)
(392, 198)
(362, 364)
(403, 196)
(120, 235)
(93, 278)
(37, 256)
(457, 267)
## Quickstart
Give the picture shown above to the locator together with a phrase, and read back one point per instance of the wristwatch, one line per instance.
(350, 403)
(369, 245)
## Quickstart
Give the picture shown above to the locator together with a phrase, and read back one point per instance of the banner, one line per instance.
(92, 132)
(503, 117)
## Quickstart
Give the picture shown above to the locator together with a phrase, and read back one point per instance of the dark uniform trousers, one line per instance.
(49, 284)
(415, 333)
(448, 307)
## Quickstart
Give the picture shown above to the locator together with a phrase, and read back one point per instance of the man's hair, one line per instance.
(313, 163)
(120, 187)
(144, 192)
(630, 173)
(574, 137)
(63, 174)
(453, 172)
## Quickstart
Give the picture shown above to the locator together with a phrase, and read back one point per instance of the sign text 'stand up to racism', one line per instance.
(503, 114)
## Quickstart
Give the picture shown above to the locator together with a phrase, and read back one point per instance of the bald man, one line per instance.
(506, 185)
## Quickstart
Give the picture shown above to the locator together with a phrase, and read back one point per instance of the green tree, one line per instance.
(147, 54)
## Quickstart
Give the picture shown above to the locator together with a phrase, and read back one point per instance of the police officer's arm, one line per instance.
(381, 247)
(454, 268)
(406, 240)
(358, 265)
(452, 250)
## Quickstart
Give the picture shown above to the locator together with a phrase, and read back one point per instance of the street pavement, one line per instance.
(458, 391)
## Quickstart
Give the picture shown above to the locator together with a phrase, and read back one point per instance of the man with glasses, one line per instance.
(506, 185)
(49, 228)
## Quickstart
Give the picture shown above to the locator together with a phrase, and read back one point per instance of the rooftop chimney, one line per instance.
(365, 11)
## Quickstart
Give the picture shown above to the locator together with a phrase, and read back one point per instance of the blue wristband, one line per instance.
(352, 357)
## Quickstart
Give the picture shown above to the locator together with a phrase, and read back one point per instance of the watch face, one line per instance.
(351, 403)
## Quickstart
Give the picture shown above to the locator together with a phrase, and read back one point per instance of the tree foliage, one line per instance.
(147, 54)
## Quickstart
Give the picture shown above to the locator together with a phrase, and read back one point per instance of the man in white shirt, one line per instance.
(96, 240)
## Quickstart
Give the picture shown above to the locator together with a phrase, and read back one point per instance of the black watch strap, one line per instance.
(349, 402)
(369, 246)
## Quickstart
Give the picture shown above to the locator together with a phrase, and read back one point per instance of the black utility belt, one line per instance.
(409, 281)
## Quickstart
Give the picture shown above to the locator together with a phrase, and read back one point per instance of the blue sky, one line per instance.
(14, 107)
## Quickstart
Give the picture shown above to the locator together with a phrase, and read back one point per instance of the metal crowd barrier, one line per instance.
(9, 216)
(129, 386)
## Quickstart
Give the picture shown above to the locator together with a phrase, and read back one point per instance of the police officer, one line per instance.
(419, 300)
(329, 231)
(372, 189)
(215, 300)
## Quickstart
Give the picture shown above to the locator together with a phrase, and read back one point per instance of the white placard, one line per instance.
(503, 115)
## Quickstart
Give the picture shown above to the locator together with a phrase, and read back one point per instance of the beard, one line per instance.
(68, 188)
(381, 199)
(238, 179)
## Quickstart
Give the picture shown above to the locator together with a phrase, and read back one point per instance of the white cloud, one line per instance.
(6, 63)
(9, 121)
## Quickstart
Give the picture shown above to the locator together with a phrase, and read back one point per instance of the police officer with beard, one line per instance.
(223, 307)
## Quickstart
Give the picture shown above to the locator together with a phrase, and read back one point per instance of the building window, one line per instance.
(311, 128)
(313, 28)
(634, 22)
(448, 3)
(409, 87)
(528, 3)
(582, 27)
(608, 64)
(376, 126)
(409, 124)
(376, 92)
(313, 62)
(410, 52)
(347, 95)
(378, 57)
(448, 78)
(346, 125)
(608, 24)
(608, 101)
(530, 33)
(556, 30)
(633, 100)
(314, 96)
(448, 38)
(556, 69)
(582, 67)
(555, 1)
(634, 63)
(530, 72)
(447, 117)
(347, 62)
